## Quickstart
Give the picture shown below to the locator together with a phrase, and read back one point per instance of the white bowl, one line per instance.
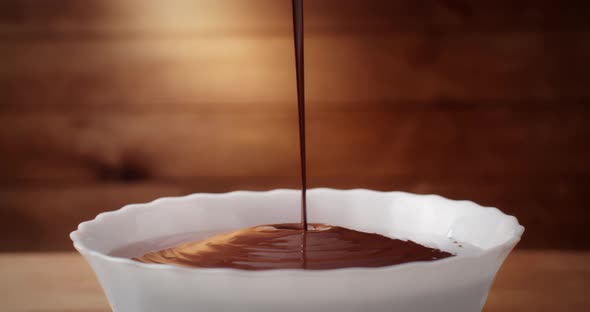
(457, 284)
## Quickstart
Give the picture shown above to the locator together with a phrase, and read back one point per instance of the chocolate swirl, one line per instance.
(287, 246)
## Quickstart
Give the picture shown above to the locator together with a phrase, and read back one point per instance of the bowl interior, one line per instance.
(421, 218)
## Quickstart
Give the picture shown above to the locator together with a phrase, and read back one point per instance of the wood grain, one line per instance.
(97, 19)
(385, 144)
(529, 281)
(245, 74)
(105, 103)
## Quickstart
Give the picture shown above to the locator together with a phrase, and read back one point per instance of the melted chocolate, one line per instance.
(287, 246)
(295, 246)
(300, 73)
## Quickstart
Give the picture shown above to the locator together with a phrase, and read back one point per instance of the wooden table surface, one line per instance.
(529, 281)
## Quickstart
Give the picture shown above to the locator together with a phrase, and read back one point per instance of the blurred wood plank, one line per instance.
(95, 19)
(48, 282)
(66, 149)
(67, 19)
(40, 218)
(393, 72)
(142, 147)
(211, 75)
(104, 103)
(541, 281)
(448, 144)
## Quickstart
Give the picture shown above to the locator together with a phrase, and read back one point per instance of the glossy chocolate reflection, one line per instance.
(287, 246)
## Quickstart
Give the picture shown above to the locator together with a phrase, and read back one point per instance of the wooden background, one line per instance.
(106, 102)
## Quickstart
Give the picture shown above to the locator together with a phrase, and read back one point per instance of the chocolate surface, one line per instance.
(287, 246)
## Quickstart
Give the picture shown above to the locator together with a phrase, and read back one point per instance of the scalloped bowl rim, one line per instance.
(75, 236)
